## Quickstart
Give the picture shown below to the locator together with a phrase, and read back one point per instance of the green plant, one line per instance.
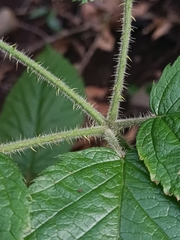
(49, 16)
(100, 193)
(34, 111)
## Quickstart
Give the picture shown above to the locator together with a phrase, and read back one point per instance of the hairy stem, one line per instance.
(49, 139)
(129, 122)
(53, 80)
(122, 63)
(114, 143)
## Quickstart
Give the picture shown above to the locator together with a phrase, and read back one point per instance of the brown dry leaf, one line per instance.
(8, 21)
(81, 144)
(140, 98)
(106, 41)
(102, 108)
(159, 26)
(108, 6)
(89, 12)
(130, 136)
(101, 10)
(61, 45)
(163, 19)
(96, 93)
(162, 27)
(97, 97)
(111, 7)
(140, 9)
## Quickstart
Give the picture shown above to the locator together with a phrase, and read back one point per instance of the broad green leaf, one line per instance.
(78, 198)
(158, 140)
(14, 207)
(147, 214)
(32, 108)
(92, 194)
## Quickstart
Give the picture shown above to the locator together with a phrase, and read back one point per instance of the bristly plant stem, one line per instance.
(129, 122)
(42, 140)
(114, 143)
(122, 62)
(109, 133)
(53, 80)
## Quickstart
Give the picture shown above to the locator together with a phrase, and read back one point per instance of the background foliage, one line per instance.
(32, 109)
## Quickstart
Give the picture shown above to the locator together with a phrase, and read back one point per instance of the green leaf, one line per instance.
(33, 108)
(78, 198)
(158, 140)
(92, 194)
(14, 207)
(38, 12)
(53, 22)
(147, 214)
(165, 97)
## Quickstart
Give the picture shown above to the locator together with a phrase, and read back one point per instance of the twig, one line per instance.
(88, 55)
(58, 36)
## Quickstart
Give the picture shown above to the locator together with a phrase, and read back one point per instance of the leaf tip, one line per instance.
(167, 191)
(178, 198)
(153, 178)
(140, 157)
